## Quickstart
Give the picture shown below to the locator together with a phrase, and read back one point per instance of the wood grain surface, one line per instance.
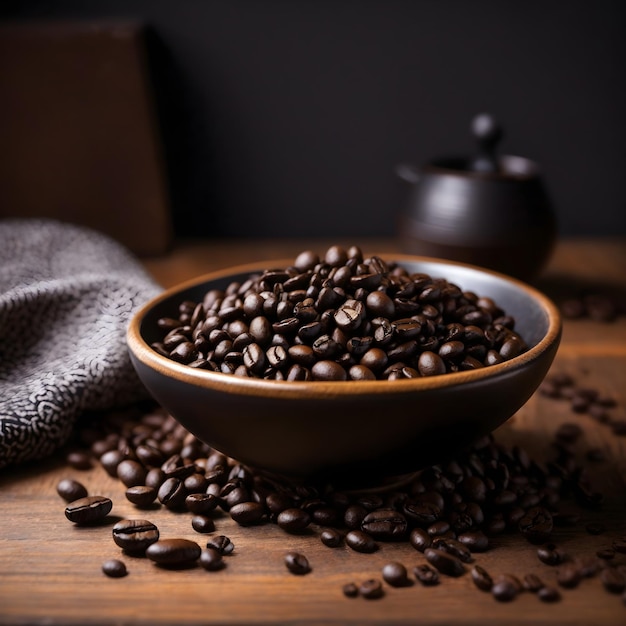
(50, 570)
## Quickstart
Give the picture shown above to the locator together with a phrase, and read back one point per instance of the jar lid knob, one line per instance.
(488, 134)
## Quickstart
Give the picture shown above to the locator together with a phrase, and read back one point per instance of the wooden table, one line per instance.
(50, 570)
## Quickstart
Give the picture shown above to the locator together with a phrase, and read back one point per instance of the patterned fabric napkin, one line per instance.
(67, 294)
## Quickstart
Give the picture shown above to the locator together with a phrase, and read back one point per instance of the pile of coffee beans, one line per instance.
(448, 514)
(340, 317)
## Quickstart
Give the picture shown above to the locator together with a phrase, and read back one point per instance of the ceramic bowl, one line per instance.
(349, 431)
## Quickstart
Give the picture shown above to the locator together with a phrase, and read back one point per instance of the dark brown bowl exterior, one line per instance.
(351, 431)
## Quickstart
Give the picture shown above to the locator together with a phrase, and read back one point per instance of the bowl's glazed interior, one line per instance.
(349, 432)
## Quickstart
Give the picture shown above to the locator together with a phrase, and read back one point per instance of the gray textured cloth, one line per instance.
(67, 294)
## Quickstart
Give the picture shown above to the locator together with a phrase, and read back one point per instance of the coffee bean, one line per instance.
(141, 496)
(371, 589)
(453, 547)
(385, 525)
(549, 594)
(475, 540)
(293, 520)
(426, 575)
(395, 574)
(331, 538)
(174, 552)
(360, 541)
(550, 554)
(504, 590)
(202, 523)
(70, 489)
(211, 559)
(247, 513)
(172, 493)
(613, 580)
(135, 535)
(481, 578)
(536, 525)
(444, 562)
(201, 503)
(532, 582)
(79, 460)
(350, 590)
(131, 472)
(222, 544)
(114, 568)
(297, 563)
(88, 510)
(568, 576)
(420, 539)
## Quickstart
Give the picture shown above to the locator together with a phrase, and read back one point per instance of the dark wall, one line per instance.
(287, 117)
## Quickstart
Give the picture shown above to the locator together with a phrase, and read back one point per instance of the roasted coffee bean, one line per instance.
(613, 580)
(395, 574)
(131, 473)
(568, 576)
(354, 516)
(453, 547)
(141, 496)
(297, 563)
(549, 594)
(248, 513)
(135, 535)
(201, 503)
(426, 575)
(88, 510)
(222, 544)
(110, 460)
(350, 590)
(174, 552)
(422, 513)
(211, 559)
(79, 460)
(172, 493)
(385, 525)
(293, 520)
(550, 554)
(360, 541)
(202, 523)
(475, 540)
(114, 568)
(444, 562)
(371, 589)
(481, 578)
(70, 489)
(536, 525)
(331, 538)
(532, 582)
(420, 539)
(504, 590)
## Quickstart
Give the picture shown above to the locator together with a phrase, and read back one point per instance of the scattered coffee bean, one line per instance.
(395, 574)
(293, 520)
(174, 552)
(532, 582)
(247, 513)
(114, 568)
(360, 541)
(568, 576)
(549, 594)
(550, 554)
(222, 544)
(202, 524)
(135, 535)
(88, 510)
(211, 559)
(297, 563)
(504, 590)
(420, 539)
(536, 525)
(70, 489)
(331, 538)
(371, 589)
(613, 580)
(79, 460)
(426, 575)
(444, 562)
(481, 578)
(141, 496)
(350, 590)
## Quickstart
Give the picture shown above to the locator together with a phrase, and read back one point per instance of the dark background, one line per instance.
(287, 117)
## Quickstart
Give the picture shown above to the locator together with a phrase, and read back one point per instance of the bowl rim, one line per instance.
(141, 351)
